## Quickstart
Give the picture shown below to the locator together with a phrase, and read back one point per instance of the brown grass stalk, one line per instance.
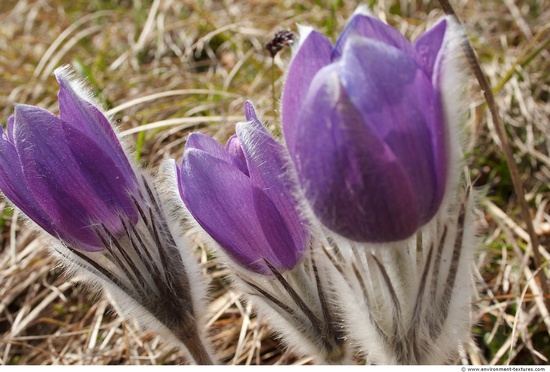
(508, 153)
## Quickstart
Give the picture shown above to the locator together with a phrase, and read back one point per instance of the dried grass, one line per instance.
(164, 68)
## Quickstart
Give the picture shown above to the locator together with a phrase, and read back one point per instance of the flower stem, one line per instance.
(194, 344)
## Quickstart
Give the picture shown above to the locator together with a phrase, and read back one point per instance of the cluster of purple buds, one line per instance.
(369, 138)
(354, 233)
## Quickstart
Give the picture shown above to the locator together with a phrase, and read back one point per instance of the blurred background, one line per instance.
(164, 68)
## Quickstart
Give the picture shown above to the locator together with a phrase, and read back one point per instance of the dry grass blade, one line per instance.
(501, 131)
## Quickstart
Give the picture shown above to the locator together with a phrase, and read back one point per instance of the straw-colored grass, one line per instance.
(164, 68)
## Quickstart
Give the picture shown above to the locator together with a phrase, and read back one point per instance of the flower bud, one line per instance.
(366, 129)
(240, 196)
(67, 173)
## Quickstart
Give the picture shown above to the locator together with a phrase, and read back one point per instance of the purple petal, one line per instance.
(428, 46)
(250, 112)
(103, 174)
(14, 186)
(238, 215)
(355, 183)
(361, 25)
(207, 144)
(286, 247)
(439, 145)
(265, 158)
(314, 54)
(57, 178)
(233, 146)
(90, 121)
(267, 164)
(396, 100)
(9, 128)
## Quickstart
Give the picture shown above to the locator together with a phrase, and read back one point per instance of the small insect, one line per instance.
(279, 41)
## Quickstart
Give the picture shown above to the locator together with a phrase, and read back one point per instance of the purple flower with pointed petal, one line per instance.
(67, 173)
(239, 195)
(365, 126)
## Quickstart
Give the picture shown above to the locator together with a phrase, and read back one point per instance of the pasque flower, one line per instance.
(365, 126)
(243, 195)
(71, 176)
(372, 125)
(240, 196)
(67, 173)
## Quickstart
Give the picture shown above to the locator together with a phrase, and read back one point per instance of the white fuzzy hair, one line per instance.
(453, 88)
(413, 300)
(168, 296)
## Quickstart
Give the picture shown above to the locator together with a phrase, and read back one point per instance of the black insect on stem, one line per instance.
(279, 41)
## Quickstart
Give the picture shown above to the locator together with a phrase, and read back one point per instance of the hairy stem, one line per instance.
(194, 344)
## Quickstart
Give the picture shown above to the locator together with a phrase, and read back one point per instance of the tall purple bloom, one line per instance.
(69, 174)
(240, 196)
(365, 126)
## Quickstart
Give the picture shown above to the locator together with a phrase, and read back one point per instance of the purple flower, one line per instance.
(67, 173)
(240, 196)
(365, 126)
